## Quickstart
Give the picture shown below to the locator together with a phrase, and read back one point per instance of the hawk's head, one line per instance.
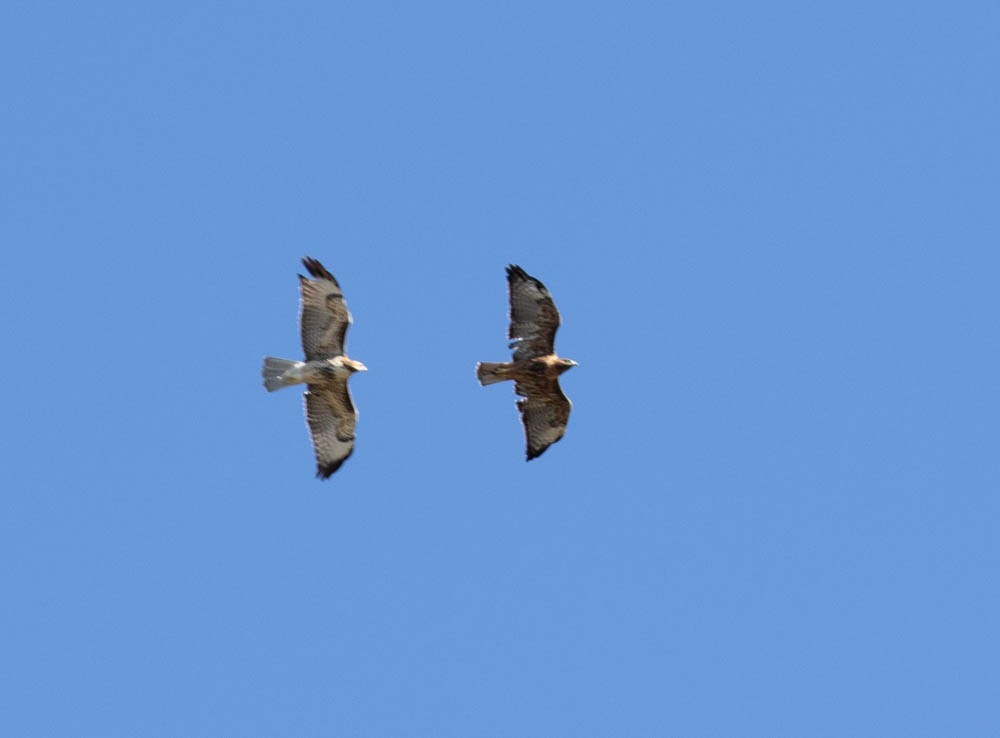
(565, 365)
(343, 364)
(354, 366)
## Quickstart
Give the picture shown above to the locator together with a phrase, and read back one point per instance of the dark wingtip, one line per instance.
(316, 269)
(325, 471)
(513, 270)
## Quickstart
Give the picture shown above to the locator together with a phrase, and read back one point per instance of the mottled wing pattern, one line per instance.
(324, 317)
(544, 412)
(533, 316)
(332, 419)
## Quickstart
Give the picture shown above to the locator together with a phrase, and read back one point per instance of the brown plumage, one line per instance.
(535, 369)
(330, 413)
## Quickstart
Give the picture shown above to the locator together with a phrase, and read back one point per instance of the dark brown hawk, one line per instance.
(535, 369)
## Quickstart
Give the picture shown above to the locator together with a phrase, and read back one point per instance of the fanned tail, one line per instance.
(491, 372)
(274, 371)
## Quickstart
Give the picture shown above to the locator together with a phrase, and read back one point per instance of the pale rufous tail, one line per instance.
(491, 373)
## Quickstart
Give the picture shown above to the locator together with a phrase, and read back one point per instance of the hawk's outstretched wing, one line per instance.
(534, 319)
(324, 317)
(332, 419)
(544, 412)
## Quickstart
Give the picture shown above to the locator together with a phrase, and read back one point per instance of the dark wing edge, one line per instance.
(332, 419)
(544, 414)
(534, 318)
(317, 270)
(323, 318)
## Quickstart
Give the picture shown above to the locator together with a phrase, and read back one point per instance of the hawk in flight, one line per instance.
(331, 416)
(535, 369)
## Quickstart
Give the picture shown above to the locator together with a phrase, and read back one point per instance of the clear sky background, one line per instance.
(772, 230)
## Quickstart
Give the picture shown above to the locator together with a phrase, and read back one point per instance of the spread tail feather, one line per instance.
(490, 372)
(273, 373)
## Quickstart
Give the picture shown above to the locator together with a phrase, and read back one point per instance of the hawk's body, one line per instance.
(329, 411)
(535, 369)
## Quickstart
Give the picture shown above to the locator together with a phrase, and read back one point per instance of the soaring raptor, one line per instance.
(329, 411)
(535, 370)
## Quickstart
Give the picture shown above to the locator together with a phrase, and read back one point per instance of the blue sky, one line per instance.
(771, 229)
